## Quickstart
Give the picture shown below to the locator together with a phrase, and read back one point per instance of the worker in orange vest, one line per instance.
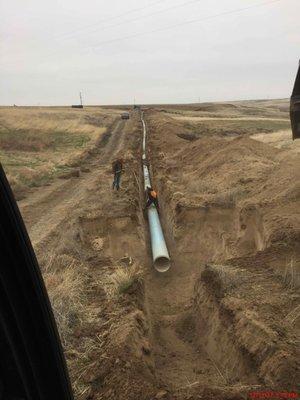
(152, 198)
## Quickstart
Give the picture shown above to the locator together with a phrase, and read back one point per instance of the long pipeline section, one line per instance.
(160, 254)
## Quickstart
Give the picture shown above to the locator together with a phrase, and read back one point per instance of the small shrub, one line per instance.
(124, 278)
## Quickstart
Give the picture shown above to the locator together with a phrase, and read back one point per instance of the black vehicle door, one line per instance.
(32, 364)
(295, 107)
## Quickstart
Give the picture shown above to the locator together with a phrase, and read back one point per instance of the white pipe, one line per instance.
(144, 139)
(160, 254)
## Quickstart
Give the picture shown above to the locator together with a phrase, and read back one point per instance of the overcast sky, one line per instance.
(150, 50)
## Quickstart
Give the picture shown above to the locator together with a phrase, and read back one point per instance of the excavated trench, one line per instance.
(192, 339)
(188, 342)
(173, 337)
(177, 337)
(193, 343)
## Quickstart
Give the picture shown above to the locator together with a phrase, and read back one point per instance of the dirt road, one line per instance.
(47, 210)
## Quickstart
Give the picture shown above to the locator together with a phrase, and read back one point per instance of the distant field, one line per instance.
(38, 144)
(273, 108)
(230, 119)
(235, 126)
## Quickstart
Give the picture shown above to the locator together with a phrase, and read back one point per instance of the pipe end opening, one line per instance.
(162, 264)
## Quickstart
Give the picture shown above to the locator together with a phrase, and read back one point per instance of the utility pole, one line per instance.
(80, 96)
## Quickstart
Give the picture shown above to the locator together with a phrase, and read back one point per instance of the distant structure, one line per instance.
(125, 115)
(81, 103)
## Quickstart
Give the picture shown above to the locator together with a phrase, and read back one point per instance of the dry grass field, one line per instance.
(38, 144)
(223, 321)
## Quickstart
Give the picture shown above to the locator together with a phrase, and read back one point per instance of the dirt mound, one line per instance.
(257, 183)
(234, 202)
(188, 136)
(212, 107)
(262, 325)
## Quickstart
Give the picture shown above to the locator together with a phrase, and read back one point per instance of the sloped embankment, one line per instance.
(230, 207)
(241, 316)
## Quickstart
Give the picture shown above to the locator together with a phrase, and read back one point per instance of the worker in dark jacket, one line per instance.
(152, 198)
(117, 169)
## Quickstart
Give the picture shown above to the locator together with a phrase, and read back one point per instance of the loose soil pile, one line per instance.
(231, 210)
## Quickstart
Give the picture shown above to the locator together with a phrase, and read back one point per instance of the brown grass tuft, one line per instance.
(65, 285)
(37, 145)
(124, 278)
(291, 277)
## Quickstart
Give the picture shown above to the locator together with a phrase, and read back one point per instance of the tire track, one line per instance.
(44, 213)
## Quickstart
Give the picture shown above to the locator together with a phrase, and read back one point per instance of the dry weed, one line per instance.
(66, 281)
(229, 197)
(124, 278)
(291, 277)
(65, 284)
(293, 316)
(198, 186)
(229, 276)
